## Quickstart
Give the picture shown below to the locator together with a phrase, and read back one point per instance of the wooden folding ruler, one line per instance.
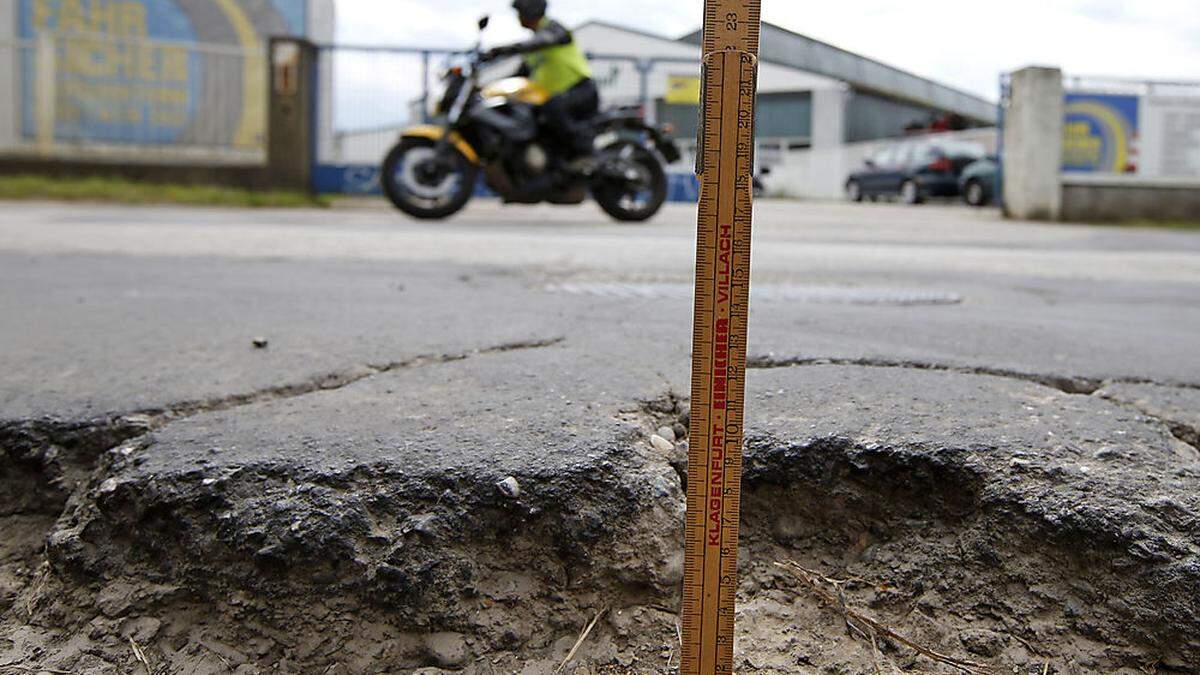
(725, 165)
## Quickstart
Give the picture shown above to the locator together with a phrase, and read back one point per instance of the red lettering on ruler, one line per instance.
(716, 483)
(720, 387)
(724, 246)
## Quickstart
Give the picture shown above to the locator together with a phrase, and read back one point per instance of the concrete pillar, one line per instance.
(1033, 140)
(829, 117)
(291, 140)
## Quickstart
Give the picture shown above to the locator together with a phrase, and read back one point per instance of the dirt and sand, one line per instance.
(1021, 540)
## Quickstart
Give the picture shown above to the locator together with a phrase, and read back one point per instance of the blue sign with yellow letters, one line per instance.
(1100, 133)
(127, 71)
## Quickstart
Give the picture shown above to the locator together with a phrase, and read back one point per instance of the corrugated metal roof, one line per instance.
(785, 47)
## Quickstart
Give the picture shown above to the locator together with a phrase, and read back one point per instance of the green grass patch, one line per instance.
(122, 191)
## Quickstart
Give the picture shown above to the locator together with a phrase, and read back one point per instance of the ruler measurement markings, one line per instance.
(724, 163)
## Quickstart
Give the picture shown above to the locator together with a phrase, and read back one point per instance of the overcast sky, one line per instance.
(966, 44)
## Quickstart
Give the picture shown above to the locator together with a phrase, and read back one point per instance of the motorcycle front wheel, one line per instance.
(425, 185)
(634, 200)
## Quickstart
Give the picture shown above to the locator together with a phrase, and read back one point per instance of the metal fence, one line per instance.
(1135, 87)
(370, 94)
(134, 100)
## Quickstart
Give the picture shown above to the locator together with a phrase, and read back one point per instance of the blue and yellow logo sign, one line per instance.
(1100, 133)
(125, 71)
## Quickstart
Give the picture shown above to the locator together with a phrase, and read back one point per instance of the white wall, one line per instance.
(620, 81)
(821, 172)
(9, 76)
(321, 21)
(322, 25)
(363, 147)
(1171, 137)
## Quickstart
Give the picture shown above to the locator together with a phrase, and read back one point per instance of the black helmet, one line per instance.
(530, 9)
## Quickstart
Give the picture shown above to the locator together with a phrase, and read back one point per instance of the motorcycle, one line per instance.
(432, 172)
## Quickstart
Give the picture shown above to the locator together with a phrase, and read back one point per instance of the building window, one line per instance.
(783, 115)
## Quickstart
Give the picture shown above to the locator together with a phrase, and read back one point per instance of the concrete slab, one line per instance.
(1177, 407)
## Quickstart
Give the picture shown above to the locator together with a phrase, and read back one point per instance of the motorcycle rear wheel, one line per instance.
(626, 204)
(426, 201)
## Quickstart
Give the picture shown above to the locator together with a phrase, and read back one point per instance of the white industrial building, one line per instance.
(821, 109)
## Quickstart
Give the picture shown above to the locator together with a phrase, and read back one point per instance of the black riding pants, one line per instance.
(567, 115)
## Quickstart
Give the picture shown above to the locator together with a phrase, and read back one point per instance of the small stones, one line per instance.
(983, 642)
(139, 421)
(142, 629)
(114, 601)
(621, 621)
(680, 430)
(448, 650)
(425, 523)
(509, 487)
(667, 433)
(661, 444)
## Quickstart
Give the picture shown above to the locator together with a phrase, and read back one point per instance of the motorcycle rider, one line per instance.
(554, 61)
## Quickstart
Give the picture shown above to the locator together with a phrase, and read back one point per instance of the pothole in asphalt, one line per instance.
(906, 544)
(942, 578)
(828, 295)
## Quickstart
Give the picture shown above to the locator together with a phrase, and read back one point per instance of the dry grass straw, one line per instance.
(140, 655)
(830, 590)
(578, 643)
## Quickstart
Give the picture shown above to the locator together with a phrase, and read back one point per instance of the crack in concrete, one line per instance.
(1067, 384)
(1184, 432)
(64, 450)
(1079, 386)
(337, 380)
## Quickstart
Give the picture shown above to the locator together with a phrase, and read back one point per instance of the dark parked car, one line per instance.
(913, 170)
(978, 181)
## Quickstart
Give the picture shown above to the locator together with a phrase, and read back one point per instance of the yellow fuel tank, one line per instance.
(518, 89)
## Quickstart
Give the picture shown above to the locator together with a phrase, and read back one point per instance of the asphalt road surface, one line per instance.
(1058, 365)
(112, 309)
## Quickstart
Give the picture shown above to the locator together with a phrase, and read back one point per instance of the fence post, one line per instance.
(425, 87)
(645, 67)
(1033, 140)
(291, 126)
(45, 99)
(1001, 124)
